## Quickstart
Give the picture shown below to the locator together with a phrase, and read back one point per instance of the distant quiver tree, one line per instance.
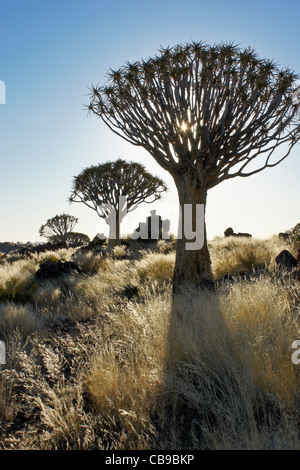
(103, 184)
(57, 229)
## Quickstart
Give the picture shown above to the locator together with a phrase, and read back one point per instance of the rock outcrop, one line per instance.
(229, 232)
(286, 260)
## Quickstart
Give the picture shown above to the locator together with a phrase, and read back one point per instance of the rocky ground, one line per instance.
(6, 247)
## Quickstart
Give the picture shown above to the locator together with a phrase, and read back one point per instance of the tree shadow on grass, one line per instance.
(205, 390)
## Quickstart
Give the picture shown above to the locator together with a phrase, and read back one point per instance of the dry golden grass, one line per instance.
(233, 255)
(89, 369)
(155, 267)
(119, 251)
(268, 321)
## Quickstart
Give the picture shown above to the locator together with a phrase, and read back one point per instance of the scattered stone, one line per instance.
(286, 260)
(56, 269)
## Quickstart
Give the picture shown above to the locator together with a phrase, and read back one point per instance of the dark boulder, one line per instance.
(56, 269)
(286, 260)
(228, 232)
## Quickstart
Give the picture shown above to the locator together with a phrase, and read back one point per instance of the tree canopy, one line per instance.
(212, 108)
(106, 182)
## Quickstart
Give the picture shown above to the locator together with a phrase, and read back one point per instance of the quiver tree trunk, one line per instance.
(114, 231)
(192, 266)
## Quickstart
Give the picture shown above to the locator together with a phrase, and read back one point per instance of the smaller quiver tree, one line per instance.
(101, 186)
(57, 229)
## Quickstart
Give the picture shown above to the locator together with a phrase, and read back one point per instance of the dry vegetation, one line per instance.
(109, 360)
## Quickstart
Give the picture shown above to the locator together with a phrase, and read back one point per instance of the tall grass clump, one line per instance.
(91, 263)
(17, 280)
(18, 317)
(155, 267)
(231, 255)
(263, 315)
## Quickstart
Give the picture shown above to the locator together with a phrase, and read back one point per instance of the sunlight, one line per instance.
(184, 126)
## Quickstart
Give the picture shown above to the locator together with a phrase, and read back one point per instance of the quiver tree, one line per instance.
(206, 114)
(102, 185)
(57, 229)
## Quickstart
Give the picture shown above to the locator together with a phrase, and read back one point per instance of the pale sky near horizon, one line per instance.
(51, 51)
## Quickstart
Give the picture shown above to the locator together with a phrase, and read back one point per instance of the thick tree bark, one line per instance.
(192, 267)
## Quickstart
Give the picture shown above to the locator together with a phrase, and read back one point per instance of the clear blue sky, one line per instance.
(52, 50)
